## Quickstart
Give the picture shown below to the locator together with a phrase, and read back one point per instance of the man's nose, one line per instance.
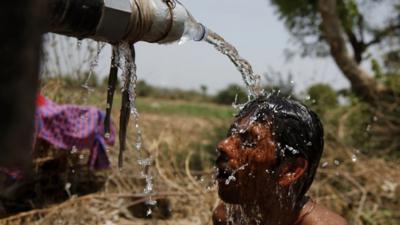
(228, 146)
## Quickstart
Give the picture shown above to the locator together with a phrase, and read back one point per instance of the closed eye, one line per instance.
(248, 140)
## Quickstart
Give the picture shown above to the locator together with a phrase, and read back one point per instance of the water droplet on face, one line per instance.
(230, 178)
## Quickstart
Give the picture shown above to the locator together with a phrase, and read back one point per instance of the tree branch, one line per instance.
(358, 46)
(362, 84)
(380, 35)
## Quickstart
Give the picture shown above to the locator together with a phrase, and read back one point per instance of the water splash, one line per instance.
(354, 158)
(232, 176)
(93, 64)
(130, 79)
(85, 85)
(251, 80)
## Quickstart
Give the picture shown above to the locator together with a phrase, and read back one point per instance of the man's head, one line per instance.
(273, 146)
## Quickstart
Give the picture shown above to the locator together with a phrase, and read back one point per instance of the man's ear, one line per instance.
(291, 170)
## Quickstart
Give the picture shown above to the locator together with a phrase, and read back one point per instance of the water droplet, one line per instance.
(354, 158)
(230, 178)
(151, 202)
(107, 135)
(148, 213)
(324, 164)
(336, 162)
(145, 162)
(74, 150)
(79, 44)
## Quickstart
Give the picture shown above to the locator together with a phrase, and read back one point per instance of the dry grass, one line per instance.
(364, 190)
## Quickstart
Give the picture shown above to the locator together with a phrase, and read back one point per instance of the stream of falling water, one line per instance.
(235, 213)
(251, 80)
(130, 80)
(92, 66)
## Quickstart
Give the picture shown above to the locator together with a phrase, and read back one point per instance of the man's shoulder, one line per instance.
(323, 216)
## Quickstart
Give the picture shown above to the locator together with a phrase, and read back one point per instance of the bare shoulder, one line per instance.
(219, 215)
(323, 216)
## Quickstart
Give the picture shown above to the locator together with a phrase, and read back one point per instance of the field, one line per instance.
(181, 137)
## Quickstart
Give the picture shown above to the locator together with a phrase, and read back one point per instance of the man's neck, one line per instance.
(280, 212)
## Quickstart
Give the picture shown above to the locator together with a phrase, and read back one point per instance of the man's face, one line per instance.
(246, 161)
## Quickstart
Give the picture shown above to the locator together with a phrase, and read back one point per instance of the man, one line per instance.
(267, 163)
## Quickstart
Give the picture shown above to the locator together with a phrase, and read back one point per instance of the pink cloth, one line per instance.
(68, 127)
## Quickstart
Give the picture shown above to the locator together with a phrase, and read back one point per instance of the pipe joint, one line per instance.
(114, 21)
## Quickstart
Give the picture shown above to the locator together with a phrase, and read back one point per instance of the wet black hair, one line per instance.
(296, 131)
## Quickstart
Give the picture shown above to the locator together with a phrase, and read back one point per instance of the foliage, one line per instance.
(231, 94)
(347, 24)
(321, 98)
(143, 89)
(275, 83)
(361, 188)
(205, 151)
(304, 23)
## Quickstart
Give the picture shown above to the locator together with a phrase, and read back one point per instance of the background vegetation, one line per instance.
(359, 174)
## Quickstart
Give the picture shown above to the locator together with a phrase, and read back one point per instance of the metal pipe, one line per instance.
(113, 21)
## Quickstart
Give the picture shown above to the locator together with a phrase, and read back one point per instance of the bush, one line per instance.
(230, 94)
(143, 89)
(322, 98)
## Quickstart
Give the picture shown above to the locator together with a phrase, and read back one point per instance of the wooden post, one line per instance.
(20, 47)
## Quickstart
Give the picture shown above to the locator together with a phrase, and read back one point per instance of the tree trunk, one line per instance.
(20, 53)
(362, 83)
